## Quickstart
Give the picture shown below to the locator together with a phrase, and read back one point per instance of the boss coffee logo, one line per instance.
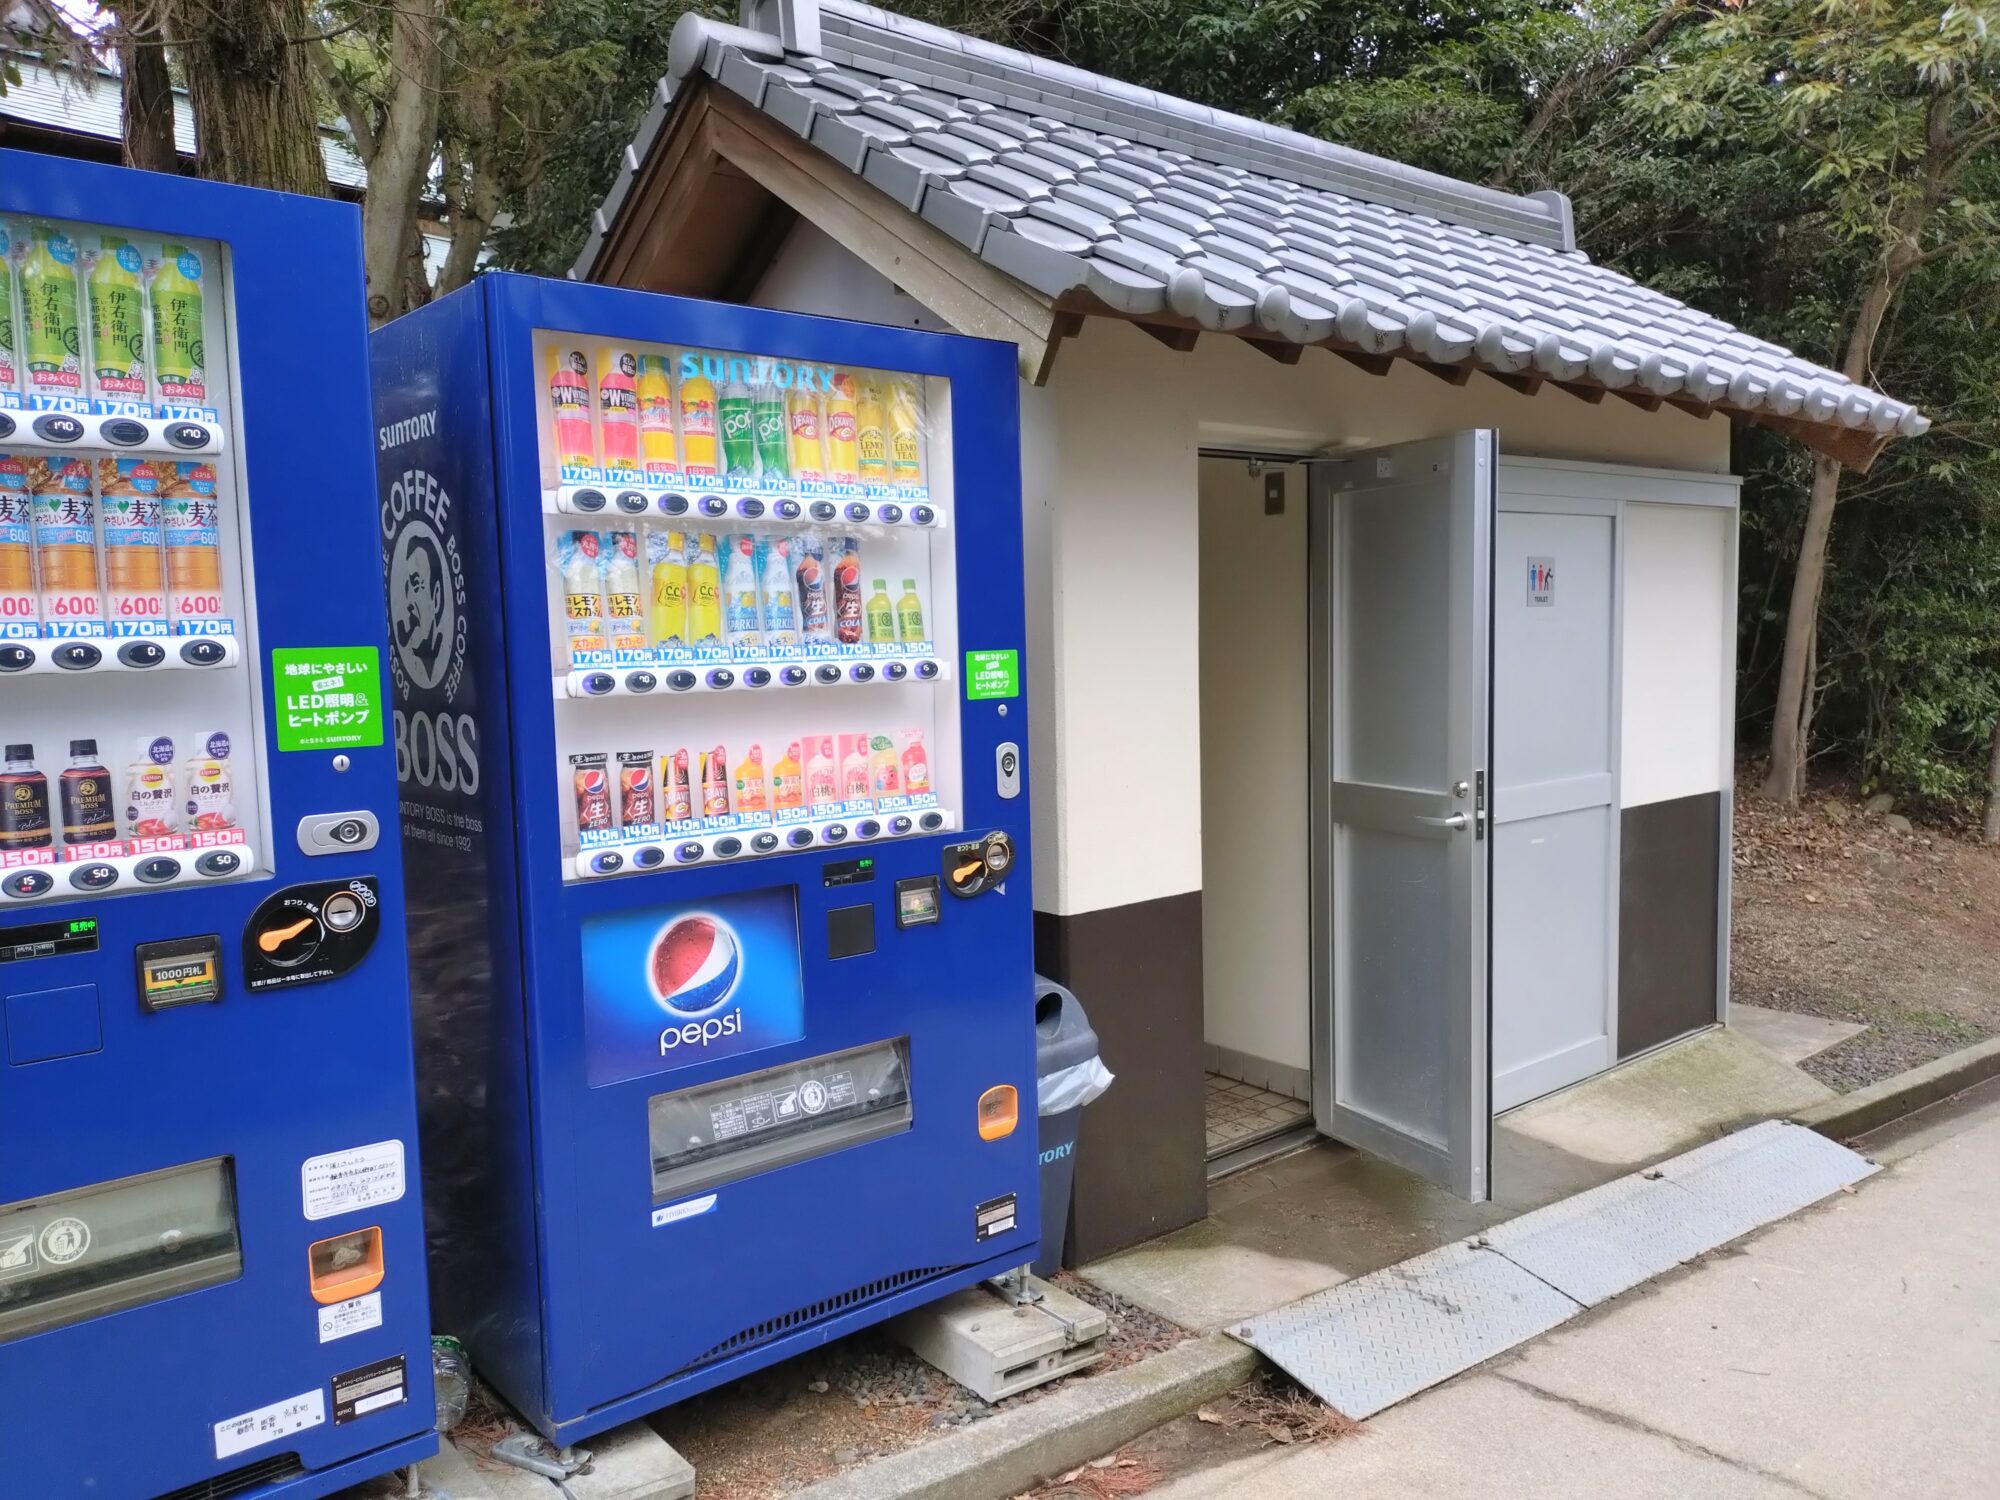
(437, 744)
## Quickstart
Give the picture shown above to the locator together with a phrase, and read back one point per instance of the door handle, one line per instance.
(1454, 821)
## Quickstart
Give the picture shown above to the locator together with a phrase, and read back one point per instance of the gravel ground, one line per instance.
(781, 1429)
(1840, 912)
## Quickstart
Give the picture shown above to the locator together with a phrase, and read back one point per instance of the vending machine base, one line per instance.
(708, 625)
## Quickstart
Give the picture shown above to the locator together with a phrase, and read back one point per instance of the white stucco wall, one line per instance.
(1110, 464)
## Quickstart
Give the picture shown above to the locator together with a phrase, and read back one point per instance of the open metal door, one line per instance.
(1401, 623)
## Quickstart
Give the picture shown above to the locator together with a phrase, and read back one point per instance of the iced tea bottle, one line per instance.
(881, 616)
(19, 609)
(910, 615)
(49, 314)
(191, 525)
(66, 546)
(24, 801)
(906, 433)
(117, 322)
(135, 583)
(179, 340)
(871, 433)
(84, 789)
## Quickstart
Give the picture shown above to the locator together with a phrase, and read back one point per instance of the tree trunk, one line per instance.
(405, 145)
(146, 92)
(1785, 778)
(251, 88)
(1990, 830)
(475, 206)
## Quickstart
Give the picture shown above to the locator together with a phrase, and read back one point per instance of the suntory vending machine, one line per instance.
(211, 1244)
(707, 625)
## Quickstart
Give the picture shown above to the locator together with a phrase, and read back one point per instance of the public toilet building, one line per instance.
(1381, 573)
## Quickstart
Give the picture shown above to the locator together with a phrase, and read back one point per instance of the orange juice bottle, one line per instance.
(569, 406)
(697, 417)
(752, 796)
(871, 433)
(843, 462)
(788, 781)
(656, 418)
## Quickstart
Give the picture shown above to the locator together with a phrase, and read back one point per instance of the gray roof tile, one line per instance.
(1072, 182)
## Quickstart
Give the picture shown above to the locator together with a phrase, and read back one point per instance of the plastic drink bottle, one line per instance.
(49, 314)
(618, 410)
(906, 433)
(885, 772)
(569, 406)
(624, 613)
(190, 518)
(916, 764)
(854, 770)
(767, 421)
(211, 788)
(752, 792)
(10, 353)
(742, 618)
(578, 554)
(809, 571)
(822, 774)
(881, 615)
(715, 783)
(592, 785)
(871, 433)
(24, 802)
(66, 546)
(179, 339)
(677, 797)
(802, 418)
(781, 616)
(666, 618)
(151, 809)
(637, 806)
(704, 610)
(697, 419)
(788, 781)
(738, 430)
(847, 591)
(910, 615)
(843, 461)
(84, 789)
(117, 323)
(20, 611)
(655, 388)
(135, 584)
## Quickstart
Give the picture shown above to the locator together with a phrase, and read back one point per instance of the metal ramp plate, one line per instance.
(1368, 1343)
(1608, 1240)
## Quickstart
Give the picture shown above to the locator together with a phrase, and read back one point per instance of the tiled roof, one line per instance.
(1074, 183)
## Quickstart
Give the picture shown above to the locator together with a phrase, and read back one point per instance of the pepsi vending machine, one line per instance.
(706, 628)
(211, 1248)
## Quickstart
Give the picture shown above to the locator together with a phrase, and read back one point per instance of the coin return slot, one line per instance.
(347, 1265)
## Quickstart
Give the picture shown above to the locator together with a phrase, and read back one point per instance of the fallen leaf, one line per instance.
(1203, 1414)
(1103, 1463)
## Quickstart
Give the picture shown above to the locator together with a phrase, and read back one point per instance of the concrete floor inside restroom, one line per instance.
(1320, 1216)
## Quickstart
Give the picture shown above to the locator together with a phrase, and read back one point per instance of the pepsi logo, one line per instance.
(590, 783)
(696, 961)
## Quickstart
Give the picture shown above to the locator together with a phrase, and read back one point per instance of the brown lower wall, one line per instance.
(1670, 864)
(1140, 1157)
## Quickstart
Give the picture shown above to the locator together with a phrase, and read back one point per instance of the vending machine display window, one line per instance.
(752, 602)
(721, 1132)
(114, 1245)
(132, 754)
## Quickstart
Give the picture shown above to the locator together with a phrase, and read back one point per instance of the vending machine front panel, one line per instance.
(753, 584)
(207, 1066)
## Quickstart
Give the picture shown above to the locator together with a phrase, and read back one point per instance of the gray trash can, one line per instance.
(1068, 1074)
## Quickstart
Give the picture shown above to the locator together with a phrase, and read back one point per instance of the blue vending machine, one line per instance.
(211, 1243)
(707, 627)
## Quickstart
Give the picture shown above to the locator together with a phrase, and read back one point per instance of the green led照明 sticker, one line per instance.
(327, 697)
(992, 674)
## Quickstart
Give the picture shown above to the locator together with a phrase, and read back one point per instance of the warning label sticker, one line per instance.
(369, 1388)
(343, 1181)
(355, 1315)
